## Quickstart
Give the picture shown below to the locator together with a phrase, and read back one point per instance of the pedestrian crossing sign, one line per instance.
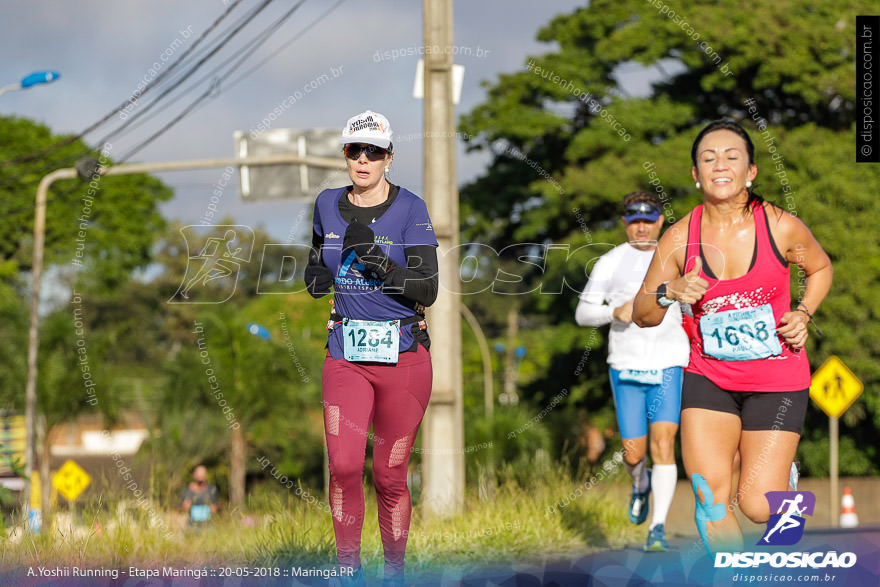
(71, 480)
(835, 387)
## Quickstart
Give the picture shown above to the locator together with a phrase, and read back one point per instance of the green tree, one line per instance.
(13, 338)
(568, 141)
(249, 393)
(107, 224)
(103, 226)
(262, 382)
(261, 265)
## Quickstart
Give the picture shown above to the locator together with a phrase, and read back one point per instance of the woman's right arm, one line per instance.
(318, 278)
(667, 266)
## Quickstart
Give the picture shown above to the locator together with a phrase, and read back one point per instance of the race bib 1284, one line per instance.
(371, 340)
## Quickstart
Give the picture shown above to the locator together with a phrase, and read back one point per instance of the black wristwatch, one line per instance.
(661, 296)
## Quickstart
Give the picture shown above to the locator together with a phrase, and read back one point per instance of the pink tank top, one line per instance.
(766, 283)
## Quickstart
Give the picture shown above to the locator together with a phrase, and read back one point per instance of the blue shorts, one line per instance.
(638, 403)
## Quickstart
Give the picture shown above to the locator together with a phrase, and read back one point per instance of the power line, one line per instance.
(254, 44)
(122, 106)
(192, 70)
(179, 96)
(284, 45)
(246, 74)
(215, 84)
(56, 163)
(214, 89)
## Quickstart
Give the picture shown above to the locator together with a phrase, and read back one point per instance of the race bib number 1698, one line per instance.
(740, 335)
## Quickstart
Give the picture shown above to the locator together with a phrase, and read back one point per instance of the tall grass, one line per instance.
(531, 516)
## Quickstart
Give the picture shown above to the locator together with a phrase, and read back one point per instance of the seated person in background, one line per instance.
(200, 498)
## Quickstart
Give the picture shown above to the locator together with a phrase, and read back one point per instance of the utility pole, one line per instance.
(443, 427)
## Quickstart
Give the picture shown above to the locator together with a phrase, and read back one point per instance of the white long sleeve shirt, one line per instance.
(615, 280)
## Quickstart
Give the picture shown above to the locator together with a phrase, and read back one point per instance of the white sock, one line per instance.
(663, 480)
(639, 474)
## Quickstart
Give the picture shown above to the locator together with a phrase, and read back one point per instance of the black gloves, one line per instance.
(360, 238)
(318, 277)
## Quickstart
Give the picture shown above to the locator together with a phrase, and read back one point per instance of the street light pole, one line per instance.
(37, 266)
(30, 390)
(488, 392)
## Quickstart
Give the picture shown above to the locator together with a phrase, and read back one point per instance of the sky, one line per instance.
(104, 49)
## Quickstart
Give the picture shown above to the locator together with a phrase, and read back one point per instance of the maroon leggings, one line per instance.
(393, 399)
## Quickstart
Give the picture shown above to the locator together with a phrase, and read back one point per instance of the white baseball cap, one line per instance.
(367, 127)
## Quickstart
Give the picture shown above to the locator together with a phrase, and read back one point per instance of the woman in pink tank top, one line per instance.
(747, 385)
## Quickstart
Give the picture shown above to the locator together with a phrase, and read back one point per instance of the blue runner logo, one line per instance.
(786, 526)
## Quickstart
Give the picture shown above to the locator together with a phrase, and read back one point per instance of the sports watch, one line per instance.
(661, 296)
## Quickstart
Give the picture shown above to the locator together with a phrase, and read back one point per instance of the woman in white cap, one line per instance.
(374, 244)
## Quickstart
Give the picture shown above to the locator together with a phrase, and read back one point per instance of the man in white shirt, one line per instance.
(645, 363)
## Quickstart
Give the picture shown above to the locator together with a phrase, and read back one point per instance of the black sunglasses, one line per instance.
(353, 151)
(640, 208)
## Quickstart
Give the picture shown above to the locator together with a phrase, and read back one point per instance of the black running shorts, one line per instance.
(758, 410)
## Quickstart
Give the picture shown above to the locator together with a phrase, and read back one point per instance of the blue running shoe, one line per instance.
(657, 540)
(638, 503)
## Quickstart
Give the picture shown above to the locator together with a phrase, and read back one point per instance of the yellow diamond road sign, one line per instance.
(835, 387)
(71, 480)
